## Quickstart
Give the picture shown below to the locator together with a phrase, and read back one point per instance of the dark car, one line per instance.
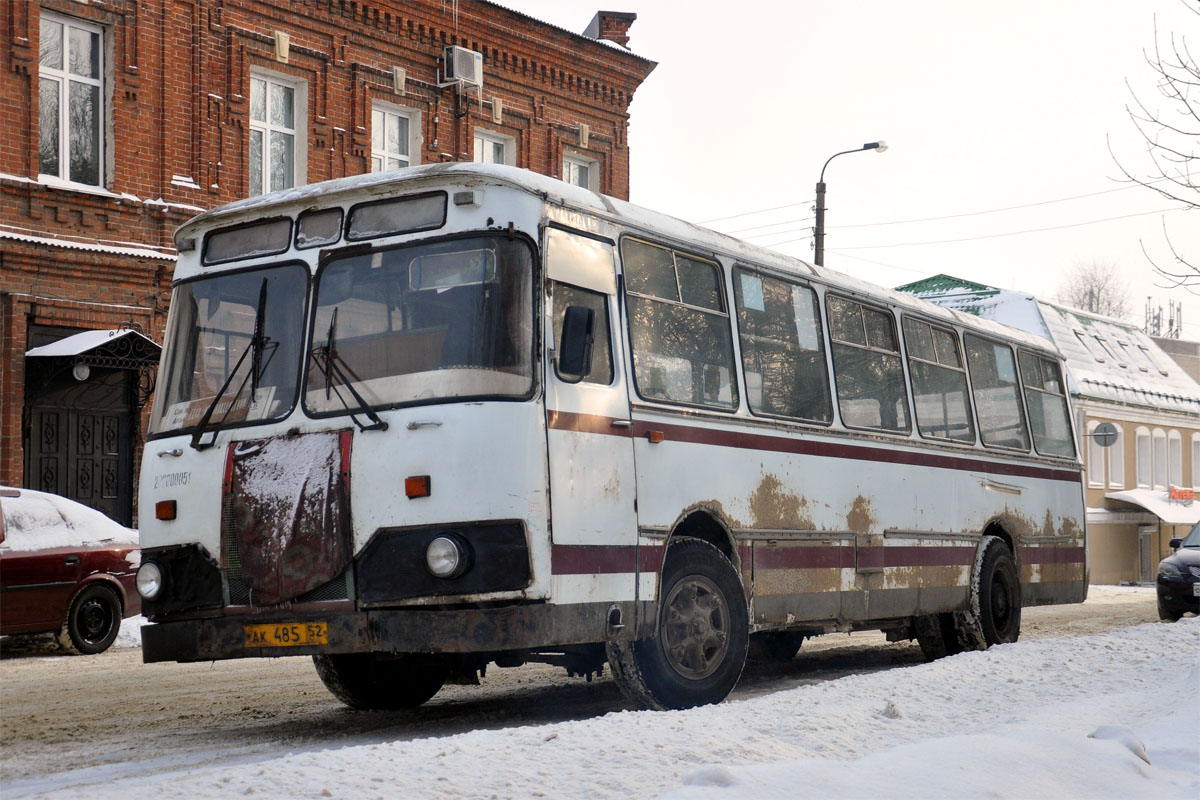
(66, 569)
(1179, 578)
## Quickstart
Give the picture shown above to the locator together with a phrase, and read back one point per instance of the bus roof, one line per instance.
(380, 184)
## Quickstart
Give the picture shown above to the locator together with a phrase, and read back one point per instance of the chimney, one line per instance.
(612, 26)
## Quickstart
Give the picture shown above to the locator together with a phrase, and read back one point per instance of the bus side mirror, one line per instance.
(575, 344)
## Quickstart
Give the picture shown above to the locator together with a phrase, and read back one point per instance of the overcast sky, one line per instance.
(985, 107)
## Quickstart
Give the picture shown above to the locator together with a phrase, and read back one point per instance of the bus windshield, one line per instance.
(233, 350)
(422, 323)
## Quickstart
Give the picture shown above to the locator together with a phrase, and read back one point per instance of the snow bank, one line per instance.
(1048, 718)
(36, 520)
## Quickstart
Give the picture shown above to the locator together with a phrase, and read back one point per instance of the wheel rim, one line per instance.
(1002, 605)
(95, 618)
(695, 627)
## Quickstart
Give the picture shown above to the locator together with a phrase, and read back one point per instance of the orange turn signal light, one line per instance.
(655, 436)
(416, 486)
(164, 509)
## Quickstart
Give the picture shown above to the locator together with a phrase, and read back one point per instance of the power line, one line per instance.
(1010, 233)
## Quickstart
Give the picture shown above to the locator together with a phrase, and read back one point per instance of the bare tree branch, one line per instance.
(1095, 287)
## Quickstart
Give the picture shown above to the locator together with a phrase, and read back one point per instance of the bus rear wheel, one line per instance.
(365, 682)
(997, 594)
(698, 652)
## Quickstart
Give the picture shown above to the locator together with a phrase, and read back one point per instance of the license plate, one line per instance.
(286, 634)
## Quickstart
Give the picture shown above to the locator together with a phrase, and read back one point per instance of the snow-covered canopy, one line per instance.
(37, 521)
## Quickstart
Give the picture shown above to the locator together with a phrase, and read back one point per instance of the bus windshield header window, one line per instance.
(316, 228)
(238, 331)
(266, 238)
(678, 325)
(421, 212)
(423, 323)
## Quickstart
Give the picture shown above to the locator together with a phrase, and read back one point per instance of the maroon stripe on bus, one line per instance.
(812, 557)
(916, 556)
(693, 434)
(1052, 555)
(599, 559)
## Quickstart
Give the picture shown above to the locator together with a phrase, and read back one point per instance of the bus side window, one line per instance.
(939, 381)
(1048, 418)
(564, 295)
(997, 401)
(783, 353)
(679, 328)
(867, 367)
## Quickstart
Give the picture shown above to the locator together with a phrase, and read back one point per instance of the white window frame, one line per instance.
(1174, 458)
(484, 156)
(381, 111)
(1196, 460)
(298, 130)
(576, 160)
(1142, 459)
(1095, 456)
(1116, 460)
(65, 77)
(1158, 470)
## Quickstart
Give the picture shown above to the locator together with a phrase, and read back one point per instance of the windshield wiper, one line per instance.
(255, 348)
(328, 360)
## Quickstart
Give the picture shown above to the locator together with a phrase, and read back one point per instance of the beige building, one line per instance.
(1140, 488)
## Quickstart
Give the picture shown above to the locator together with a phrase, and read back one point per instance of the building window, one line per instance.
(1196, 460)
(1142, 446)
(394, 138)
(71, 101)
(1175, 458)
(581, 171)
(1095, 456)
(1116, 461)
(1159, 466)
(494, 148)
(277, 109)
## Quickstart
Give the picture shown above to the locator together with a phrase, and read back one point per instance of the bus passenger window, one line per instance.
(1048, 418)
(867, 367)
(783, 354)
(564, 295)
(939, 381)
(678, 326)
(994, 387)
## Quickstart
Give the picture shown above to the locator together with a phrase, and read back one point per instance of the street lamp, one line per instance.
(819, 232)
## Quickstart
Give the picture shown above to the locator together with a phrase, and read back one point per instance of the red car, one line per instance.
(65, 568)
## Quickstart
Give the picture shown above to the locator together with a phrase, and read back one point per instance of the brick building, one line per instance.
(123, 118)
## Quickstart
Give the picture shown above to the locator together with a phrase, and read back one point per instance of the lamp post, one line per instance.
(819, 232)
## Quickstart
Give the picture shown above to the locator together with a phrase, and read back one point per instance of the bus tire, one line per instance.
(364, 682)
(937, 634)
(996, 595)
(777, 647)
(699, 649)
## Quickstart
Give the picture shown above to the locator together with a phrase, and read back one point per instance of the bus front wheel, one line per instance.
(996, 595)
(364, 682)
(699, 649)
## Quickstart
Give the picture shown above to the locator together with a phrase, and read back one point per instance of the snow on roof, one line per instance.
(358, 188)
(1107, 359)
(37, 521)
(82, 342)
(94, 247)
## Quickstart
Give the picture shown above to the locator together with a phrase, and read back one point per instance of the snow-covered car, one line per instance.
(66, 569)
(1178, 581)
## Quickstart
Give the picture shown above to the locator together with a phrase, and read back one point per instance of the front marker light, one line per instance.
(447, 557)
(149, 580)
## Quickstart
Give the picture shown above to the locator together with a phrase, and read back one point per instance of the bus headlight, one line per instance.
(149, 580)
(447, 557)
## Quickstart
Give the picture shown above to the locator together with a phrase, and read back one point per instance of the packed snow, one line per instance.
(1110, 715)
(36, 521)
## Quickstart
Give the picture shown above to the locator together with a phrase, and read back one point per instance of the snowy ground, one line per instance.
(1112, 714)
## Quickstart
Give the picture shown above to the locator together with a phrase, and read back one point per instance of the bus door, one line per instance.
(593, 513)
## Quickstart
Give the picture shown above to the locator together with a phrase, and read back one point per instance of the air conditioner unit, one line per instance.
(464, 66)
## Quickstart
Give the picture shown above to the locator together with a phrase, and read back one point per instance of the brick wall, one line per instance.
(177, 106)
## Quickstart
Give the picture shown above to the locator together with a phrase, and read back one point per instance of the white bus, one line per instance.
(417, 422)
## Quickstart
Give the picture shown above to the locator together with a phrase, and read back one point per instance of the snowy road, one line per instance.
(119, 725)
